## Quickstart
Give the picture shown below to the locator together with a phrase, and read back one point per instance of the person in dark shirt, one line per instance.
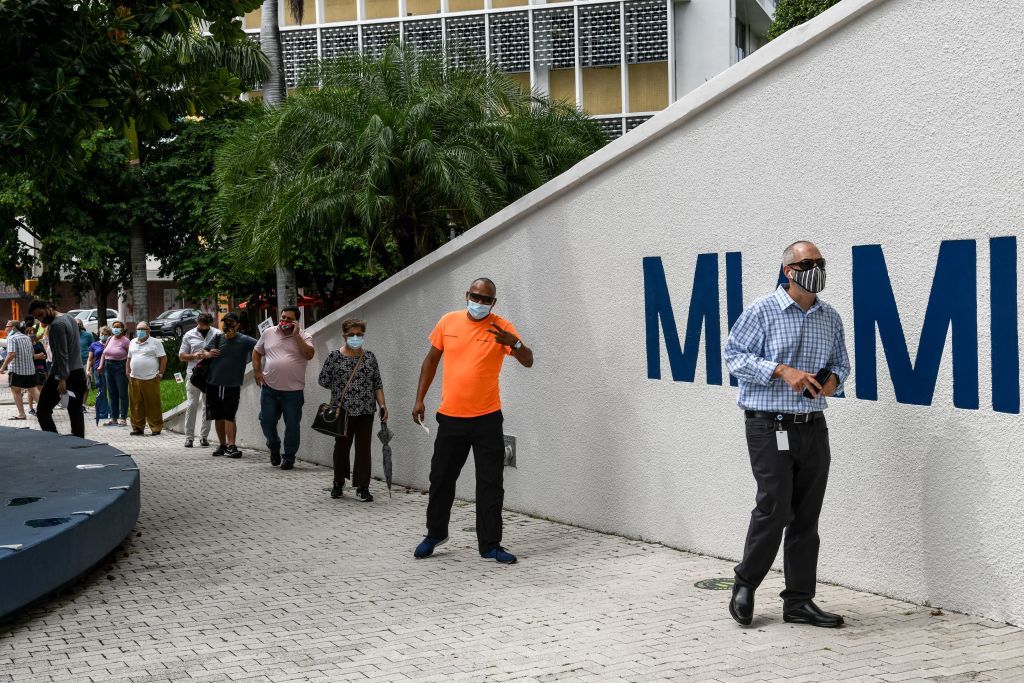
(229, 352)
(67, 372)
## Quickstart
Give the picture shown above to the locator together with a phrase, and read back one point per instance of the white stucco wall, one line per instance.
(895, 123)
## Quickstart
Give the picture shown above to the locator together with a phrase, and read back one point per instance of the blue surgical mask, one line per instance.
(477, 311)
(118, 331)
(141, 334)
(355, 342)
(104, 337)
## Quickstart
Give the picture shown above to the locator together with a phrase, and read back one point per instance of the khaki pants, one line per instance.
(144, 402)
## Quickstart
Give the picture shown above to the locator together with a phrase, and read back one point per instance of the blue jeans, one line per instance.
(274, 404)
(117, 388)
(102, 405)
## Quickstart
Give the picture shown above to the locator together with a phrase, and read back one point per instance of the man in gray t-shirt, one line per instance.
(67, 375)
(226, 356)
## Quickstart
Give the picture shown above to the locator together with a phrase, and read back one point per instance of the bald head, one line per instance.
(798, 251)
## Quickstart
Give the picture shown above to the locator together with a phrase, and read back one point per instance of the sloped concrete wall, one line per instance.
(880, 123)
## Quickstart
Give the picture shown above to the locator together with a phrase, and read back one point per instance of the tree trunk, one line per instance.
(274, 88)
(274, 91)
(286, 293)
(100, 289)
(140, 287)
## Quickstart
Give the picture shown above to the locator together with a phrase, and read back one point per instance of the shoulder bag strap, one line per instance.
(341, 398)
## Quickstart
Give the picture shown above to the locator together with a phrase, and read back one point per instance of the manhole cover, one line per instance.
(23, 501)
(49, 521)
(715, 584)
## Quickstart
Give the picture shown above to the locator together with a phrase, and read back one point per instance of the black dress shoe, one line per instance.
(812, 614)
(741, 607)
(275, 458)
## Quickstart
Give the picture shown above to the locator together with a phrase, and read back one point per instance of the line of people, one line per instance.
(787, 351)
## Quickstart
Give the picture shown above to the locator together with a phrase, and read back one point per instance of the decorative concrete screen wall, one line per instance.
(889, 133)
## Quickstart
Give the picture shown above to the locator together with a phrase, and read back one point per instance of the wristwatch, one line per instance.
(518, 345)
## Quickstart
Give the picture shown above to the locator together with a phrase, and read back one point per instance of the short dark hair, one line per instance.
(347, 326)
(38, 304)
(488, 281)
(204, 318)
(293, 309)
(231, 316)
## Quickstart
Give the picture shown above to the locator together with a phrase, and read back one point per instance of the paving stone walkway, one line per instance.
(240, 572)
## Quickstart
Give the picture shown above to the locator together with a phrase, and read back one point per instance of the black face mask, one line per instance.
(48, 319)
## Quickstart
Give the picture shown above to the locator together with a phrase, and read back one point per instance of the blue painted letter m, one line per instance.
(704, 312)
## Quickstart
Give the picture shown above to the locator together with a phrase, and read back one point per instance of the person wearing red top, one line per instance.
(473, 343)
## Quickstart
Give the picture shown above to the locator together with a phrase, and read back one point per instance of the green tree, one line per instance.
(179, 188)
(790, 13)
(185, 73)
(70, 68)
(397, 150)
(83, 238)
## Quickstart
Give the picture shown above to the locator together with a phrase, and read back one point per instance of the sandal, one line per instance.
(15, 417)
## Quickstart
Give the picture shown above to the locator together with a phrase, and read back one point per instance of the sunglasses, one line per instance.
(808, 263)
(480, 298)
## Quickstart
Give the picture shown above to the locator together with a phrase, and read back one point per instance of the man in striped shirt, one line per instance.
(21, 365)
(788, 351)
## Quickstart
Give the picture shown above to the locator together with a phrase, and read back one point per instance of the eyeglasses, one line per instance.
(480, 298)
(808, 263)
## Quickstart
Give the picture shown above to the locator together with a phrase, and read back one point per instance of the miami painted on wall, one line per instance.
(952, 306)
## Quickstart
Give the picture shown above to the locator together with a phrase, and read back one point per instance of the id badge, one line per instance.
(782, 439)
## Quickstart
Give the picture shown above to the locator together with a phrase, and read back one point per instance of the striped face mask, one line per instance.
(812, 280)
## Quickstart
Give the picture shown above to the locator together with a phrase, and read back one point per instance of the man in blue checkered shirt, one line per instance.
(788, 352)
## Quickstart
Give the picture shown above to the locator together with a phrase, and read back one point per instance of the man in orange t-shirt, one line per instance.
(473, 343)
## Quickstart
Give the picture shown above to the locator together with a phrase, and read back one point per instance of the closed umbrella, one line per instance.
(385, 436)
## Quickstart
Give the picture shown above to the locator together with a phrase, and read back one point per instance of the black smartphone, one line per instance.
(821, 377)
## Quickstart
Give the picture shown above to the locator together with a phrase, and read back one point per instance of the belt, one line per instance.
(785, 418)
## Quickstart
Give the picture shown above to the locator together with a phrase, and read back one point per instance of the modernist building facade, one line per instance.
(620, 61)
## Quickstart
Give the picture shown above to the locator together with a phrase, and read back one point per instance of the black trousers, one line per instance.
(790, 491)
(455, 436)
(49, 397)
(360, 430)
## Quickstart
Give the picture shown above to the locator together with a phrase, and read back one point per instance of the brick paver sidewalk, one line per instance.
(242, 572)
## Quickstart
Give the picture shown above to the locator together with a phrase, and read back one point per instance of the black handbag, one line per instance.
(201, 372)
(331, 419)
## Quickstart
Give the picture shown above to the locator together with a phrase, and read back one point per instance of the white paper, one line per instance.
(425, 427)
(782, 439)
(178, 378)
(265, 325)
(65, 398)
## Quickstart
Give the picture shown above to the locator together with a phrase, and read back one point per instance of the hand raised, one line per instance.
(503, 337)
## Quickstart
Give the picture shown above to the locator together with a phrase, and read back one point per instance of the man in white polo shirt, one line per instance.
(191, 350)
(146, 363)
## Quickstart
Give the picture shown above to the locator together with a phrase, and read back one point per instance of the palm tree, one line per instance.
(398, 149)
(274, 93)
(176, 75)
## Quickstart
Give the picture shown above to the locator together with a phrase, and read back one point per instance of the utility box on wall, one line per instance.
(510, 451)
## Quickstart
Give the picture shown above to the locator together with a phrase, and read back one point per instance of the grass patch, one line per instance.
(171, 394)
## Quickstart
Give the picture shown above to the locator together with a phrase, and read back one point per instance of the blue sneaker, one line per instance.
(426, 547)
(499, 554)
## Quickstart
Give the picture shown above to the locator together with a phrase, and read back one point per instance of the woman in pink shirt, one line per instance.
(113, 367)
